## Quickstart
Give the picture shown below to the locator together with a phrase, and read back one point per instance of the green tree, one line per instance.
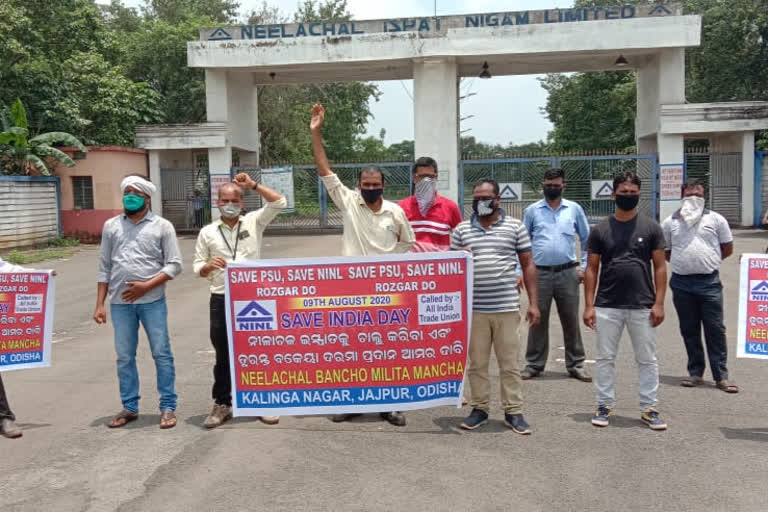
(19, 153)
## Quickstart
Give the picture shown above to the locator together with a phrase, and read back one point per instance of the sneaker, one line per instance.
(270, 420)
(652, 418)
(517, 423)
(529, 373)
(600, 419)
(339, 418)
(476, 419)
(395, 418)
(9, 429)
(219, 414)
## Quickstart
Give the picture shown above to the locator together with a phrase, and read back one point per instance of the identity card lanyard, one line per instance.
(237, 240)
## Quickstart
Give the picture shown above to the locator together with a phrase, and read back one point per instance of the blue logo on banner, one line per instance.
(255, 316)
(759, 290)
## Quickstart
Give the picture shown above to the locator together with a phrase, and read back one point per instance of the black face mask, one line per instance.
(553, 193)
(627, 202)
(483, 207)
(370, 196)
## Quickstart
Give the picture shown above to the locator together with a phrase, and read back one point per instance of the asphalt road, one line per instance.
(713, 457)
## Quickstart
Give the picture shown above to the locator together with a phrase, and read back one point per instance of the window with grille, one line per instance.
(82, 188)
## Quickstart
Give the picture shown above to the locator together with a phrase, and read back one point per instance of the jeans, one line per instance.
(563, 286)
(154, 318)
(5, 409)
(610, 326)
(502, 332)
(698, 300)
(222, 383)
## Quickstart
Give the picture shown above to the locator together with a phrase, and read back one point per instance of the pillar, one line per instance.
(670, 91)
(436, 119)
(155, 176)
(747, 178)
(217, 110)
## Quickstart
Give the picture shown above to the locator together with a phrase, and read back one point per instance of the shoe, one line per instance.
(219, 415)
(600, 419)
(395, 418)
(652, 418)
(339, 418)
(529, 374)
(477, 418)
(9, 429)
(270, 420)
(517, 423)
(580, 374)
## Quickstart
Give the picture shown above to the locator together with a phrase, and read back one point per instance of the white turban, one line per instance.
(139, 184)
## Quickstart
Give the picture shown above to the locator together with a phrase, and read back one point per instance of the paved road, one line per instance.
(713, 457)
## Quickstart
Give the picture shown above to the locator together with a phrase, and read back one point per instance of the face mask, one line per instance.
(425, 192)
(370, 196)
(230, 210)
(692, 209)
(133, 203)
(483, 207)
(627, 202)
(553, 193)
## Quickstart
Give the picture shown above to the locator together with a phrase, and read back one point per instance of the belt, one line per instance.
(558, 268)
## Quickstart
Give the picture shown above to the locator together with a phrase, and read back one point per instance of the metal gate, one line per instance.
(722, 174)
(179, 200)
(580, 172)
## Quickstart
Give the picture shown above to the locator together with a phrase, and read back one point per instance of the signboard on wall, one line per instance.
(602, 189)
(280, 179)
(670, 181)
(511, 191)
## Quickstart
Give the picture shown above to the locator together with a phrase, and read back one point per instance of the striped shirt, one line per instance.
(494, 252)
(433, 230)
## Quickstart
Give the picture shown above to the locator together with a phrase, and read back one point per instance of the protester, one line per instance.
(232, 238)
(622, 248)
(197, 205)
(553, 223)
(494, 240)
(139, 254)
(697, 241)
(372, 225)
(431, 215)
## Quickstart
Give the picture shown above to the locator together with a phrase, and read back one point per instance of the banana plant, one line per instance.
(19, 154)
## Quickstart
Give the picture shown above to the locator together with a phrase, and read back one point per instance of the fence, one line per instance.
(524, 176)
(721, 172)
(29, 210)
(179, 201)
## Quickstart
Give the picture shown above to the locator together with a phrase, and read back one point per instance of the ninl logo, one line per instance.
(758, 291)
(251, 315)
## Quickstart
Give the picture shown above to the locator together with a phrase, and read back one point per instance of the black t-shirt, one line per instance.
(625, 250)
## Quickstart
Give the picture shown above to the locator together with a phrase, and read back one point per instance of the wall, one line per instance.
(28, 210)
(107, 166)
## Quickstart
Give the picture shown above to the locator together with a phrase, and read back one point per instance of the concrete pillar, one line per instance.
(243, 112)
(436, 119)
(156, 178)
(217, 109)
(748, 179)
(671, 91)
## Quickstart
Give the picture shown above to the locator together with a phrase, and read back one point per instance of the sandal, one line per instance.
(122, 419)
(692, 382)
(167, 419)
(728, 388)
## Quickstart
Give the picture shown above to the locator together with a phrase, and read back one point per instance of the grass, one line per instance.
(58, 248)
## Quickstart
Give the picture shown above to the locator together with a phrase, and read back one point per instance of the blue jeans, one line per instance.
(610, 326)
(154, 318)
(698, 300)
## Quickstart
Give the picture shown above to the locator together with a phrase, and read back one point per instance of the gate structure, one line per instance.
(520, 180)
(179, 200)
(722, 174)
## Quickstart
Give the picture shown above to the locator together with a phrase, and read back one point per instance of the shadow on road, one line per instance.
(616, 421)
(143, 421)
(745, 434)
(450, 425)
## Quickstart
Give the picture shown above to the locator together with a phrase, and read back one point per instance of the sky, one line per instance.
(502, 110)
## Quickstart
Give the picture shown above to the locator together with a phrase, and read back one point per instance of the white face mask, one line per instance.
(230, 211)
(692, 209)
(425, 192)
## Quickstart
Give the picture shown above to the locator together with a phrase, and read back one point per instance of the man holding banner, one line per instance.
(232, 238)
(139, 254)
(372, 225)
(8, 426)
(495, 239)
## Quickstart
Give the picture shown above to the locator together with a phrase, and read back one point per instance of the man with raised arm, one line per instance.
(372, 225)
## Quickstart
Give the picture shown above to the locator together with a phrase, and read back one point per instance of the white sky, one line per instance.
(505, 109)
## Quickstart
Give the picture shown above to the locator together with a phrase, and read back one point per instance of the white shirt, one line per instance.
(365, 231)
(218, 239)
(696, 249)
(10, 267)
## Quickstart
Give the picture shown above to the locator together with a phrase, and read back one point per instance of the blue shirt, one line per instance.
(553, 232)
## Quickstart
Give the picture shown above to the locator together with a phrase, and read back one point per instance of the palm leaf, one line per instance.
(37, 162)
(15, 136)
(19, 114)
(44, 151)
(58, 138)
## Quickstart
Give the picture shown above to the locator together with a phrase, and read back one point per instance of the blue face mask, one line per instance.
(133, 203)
